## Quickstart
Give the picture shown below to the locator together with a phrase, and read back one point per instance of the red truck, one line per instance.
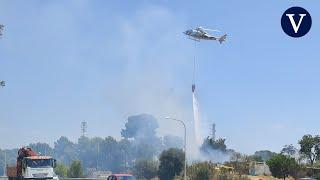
(30, 165)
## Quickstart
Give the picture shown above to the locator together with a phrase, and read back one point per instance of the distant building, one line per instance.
(259, 168)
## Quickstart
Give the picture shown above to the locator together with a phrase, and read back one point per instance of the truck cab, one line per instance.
(38, 167)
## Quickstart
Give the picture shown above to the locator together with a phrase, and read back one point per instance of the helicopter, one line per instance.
(2, 83)
(201, 33)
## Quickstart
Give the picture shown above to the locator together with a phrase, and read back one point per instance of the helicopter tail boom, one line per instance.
(222, 38)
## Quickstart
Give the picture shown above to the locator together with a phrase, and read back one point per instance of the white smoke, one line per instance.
(200, 130)
(212, 155)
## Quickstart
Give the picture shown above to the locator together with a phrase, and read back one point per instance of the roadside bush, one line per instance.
(145, 168)
(282, 166)
(75, 170)
(209, 171)
(171, 163)
(61, 170)
(201, 171)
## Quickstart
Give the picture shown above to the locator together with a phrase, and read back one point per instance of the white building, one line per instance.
(259, 168)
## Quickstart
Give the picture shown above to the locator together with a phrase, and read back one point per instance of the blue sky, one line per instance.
(101, 61)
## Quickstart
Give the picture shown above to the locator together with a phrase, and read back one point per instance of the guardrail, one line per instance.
(82, 178)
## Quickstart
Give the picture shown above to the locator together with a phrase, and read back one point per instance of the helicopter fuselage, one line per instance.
(198, 35)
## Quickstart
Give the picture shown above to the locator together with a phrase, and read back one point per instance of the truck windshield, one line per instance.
(35, 163)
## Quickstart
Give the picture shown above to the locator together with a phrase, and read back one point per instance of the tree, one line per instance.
(140, 126)
(42, 148)
(171, 163)
(61, 170)
(145, 168)
(87, 152)
(215, 149)
(75, 170)
(265, 154)
(110, 158)
(201, 171)
(125, 155)
(2, 161)
(289, 150)
(142, 130)
(212, 144)
(255, 158)
(282, 166)
(96, 152)
(310, 147)
(65, 150)
(240, 163)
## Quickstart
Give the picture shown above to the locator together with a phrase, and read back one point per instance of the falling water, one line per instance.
(196, 117)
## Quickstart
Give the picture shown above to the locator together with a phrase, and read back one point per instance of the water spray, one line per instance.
(196, 35)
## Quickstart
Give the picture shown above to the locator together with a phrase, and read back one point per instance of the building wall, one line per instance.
(259, 168)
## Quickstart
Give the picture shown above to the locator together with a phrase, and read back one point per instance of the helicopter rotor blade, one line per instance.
(214, 30)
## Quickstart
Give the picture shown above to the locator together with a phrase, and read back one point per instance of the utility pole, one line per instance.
(2, 83)
(213, 131)
(5, 163)
(98, 151)
(185, 144)
(83, 127)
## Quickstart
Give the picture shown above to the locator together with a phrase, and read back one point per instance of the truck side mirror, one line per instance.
(54, 163)
(24, 164)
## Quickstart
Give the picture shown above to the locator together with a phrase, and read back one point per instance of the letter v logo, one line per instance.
(293, 23)
(296, 22)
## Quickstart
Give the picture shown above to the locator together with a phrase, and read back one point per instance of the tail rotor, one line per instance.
(222, 38)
